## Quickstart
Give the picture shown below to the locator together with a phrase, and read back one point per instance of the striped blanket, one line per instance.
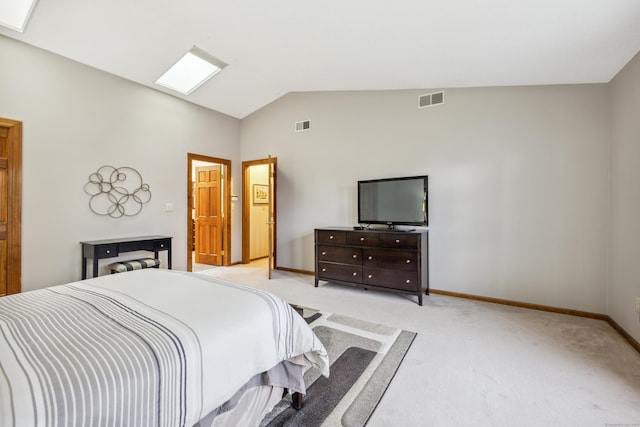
(143, 348)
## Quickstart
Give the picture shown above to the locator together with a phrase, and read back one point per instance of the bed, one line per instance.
(150, 348)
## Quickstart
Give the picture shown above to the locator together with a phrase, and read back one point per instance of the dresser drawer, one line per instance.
(331, 236)
(394, 279)
(398, 260)
(107, 251)
(345, 255)
(399, 240)
(347, 273)
(363, 238)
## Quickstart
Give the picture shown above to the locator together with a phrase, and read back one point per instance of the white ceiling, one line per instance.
(281, 46)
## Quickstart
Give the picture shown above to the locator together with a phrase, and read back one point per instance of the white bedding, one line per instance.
(148, 347)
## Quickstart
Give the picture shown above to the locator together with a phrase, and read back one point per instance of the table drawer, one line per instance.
(161, 245)
(347, 273)
(399, 240)
(394, 279)
(398, 260)
(345, 255)
(107, 251)
(332, 236)
(136, 246)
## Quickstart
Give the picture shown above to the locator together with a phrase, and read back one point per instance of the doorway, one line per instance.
(259, 211)
(208, 209)
(10, 206)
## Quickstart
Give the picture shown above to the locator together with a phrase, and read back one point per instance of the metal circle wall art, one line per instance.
(117, 192)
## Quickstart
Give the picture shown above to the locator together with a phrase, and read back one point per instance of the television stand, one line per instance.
(374, 259)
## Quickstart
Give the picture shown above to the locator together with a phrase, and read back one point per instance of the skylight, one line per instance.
(14, 14)
(191, 71)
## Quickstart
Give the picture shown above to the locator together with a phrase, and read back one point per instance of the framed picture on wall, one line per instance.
(260, 193)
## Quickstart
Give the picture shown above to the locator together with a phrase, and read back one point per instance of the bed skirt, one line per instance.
(257, 397)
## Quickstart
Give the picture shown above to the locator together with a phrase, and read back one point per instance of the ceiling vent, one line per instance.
(303, 126)
(431, 99)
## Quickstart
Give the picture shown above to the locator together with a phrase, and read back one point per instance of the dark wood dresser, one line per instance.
(394, 261)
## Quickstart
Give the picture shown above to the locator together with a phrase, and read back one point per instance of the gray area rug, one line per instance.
(364, 358)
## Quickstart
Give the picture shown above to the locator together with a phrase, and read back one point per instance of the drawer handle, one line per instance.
(355, 274)
(355, 256)
(397, 240)
(408, 261)
(370, 257)
(324, 269)
(330, 237)
(108, 252)
(408, 281)
(324, 253)
(362, 239)
(370, 276)
(162, 246)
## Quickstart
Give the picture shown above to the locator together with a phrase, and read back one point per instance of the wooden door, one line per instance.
(272, 217)
(10, 205)
(272, 162)
(208, 215)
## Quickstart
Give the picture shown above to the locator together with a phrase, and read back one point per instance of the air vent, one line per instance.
(431, 99)
(303, 126)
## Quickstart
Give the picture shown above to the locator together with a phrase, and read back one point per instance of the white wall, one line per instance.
(77, 119)
(518, 176)
(518, 181)
(624, 284)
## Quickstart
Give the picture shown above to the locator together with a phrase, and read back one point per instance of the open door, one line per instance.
(272, 216)
(208, 215)
(209, 201)
(264, 173)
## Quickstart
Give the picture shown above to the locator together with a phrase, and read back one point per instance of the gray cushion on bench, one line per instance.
(134, 264)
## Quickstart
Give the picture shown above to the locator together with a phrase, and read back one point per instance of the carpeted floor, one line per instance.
(364, 358)
(481, 364)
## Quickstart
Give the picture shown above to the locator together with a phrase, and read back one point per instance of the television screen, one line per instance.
(393, 201)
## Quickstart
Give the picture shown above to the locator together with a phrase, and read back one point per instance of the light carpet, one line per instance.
(481, 364)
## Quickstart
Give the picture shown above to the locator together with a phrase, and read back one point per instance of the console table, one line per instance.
(111, 248)
(395, 261)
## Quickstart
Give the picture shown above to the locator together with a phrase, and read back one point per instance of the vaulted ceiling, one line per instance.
(281, 46)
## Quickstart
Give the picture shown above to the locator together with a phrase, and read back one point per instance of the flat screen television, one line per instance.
(393, 201)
